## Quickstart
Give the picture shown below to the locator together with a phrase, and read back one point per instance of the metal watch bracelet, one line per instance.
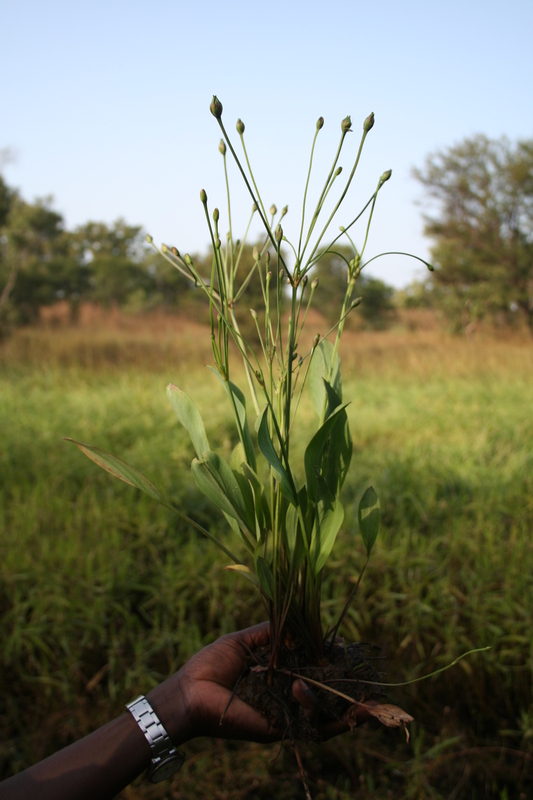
(166, 758)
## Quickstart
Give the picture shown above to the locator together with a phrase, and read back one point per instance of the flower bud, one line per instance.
(222, 147)
(273, 210)
(320, 123)
(164, 248)
(216, 215)
(217, 244)
(338, 171)
(256, 254)
(240, 126)
(346, 124)
(187, 259)
(314, 284)
(284, 210)
(253, 313)
(356, 302)
(278, 234)
(203, 196)
(281, 272)
(368, 124)
(149, 238)
(304, 281)
(254, 208)
(216, 107)
(386, 175)
(430, 267)
(316, 340)
(176, 252)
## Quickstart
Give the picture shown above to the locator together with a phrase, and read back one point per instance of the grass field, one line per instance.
(103, 593)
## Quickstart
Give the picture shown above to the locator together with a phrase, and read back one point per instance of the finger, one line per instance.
(303, 694)
(255, 636)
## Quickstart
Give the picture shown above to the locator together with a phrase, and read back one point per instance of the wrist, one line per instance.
(170, 703)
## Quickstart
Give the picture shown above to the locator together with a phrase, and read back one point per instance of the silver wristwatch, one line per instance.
(166, 758)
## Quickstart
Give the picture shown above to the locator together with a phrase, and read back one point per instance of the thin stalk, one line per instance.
(305, 191)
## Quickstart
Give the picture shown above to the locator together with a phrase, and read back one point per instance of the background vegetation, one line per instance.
(102, 593)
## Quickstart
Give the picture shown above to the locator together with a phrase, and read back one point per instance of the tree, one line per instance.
(482, 229)
(37, 263)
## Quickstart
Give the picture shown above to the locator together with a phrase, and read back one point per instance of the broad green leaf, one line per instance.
(267, 448)
(246, 572)
(234, 525)
(190, 418)
(293, 537)
(369, 515)
(239, 406)
(339, 454)
(216, 480)
(329, 515)
(264, 573)
(320, 370)
(115, 466)
(315, 449)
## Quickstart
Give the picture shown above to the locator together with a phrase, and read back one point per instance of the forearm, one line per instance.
(98, 766)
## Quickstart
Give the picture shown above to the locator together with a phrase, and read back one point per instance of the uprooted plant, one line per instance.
(285, 523)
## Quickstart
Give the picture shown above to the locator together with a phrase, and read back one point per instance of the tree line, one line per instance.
(478, 216)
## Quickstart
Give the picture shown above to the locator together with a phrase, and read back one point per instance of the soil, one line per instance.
(346, 669)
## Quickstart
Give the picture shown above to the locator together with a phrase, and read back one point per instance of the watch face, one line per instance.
(165, 769)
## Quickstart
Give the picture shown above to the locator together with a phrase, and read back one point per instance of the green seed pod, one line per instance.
(149, 238)
(203, 196)
(216, 107)
(240, 126)
(222, 147)
(216, 215)
(320, 123)
(273, 209)
(346, 124)
(368, 124)
(386, 175)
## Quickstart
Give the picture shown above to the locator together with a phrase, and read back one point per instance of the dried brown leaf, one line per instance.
(387, 714)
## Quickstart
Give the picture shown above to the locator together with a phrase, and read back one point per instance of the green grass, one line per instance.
(103, 593)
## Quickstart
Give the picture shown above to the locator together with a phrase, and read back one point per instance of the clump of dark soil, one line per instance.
(347, 669)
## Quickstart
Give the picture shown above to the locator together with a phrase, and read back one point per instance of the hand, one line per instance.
(192, 702)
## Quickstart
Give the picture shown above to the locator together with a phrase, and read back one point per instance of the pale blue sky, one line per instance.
(106, 104)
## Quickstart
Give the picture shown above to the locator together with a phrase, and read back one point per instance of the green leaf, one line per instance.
(115, 466)
(190, 418)
(267, 448)
(329, 516)
(217, 481)
(369, 515)
(340, 446)
(239, 407)
(314, 450)
(320, 370)
(264, 573)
